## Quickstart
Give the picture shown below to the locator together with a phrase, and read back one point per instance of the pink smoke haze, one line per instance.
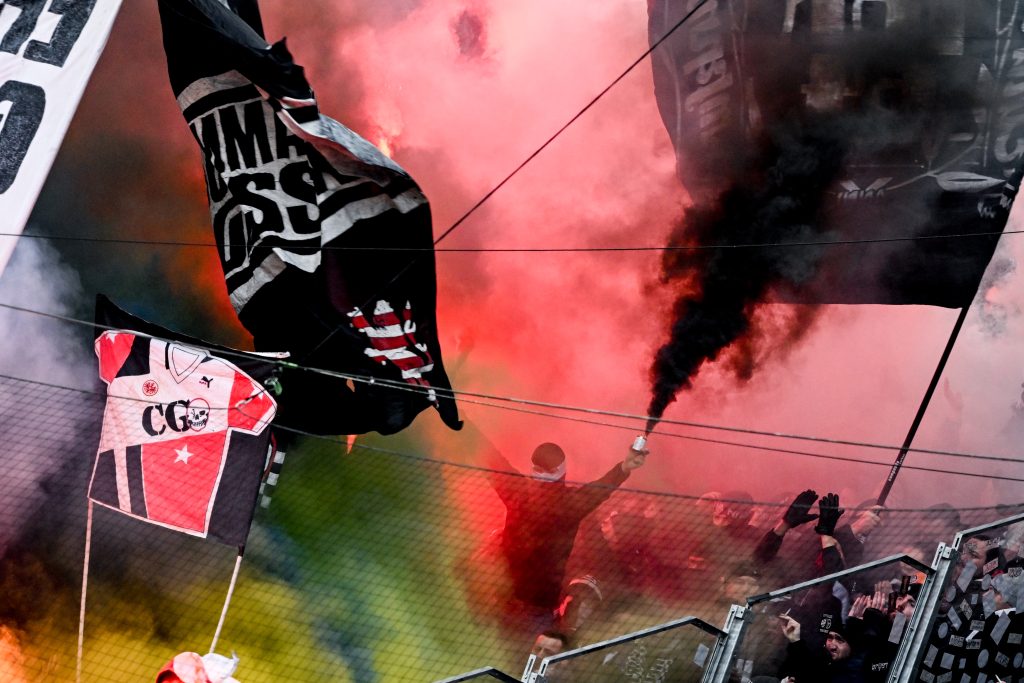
(579, 329)
(460, 93)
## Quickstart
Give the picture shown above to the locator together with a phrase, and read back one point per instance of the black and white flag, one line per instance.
(307, 216)
(896, 128)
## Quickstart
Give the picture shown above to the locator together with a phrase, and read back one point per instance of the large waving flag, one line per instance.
(47, 53)
(835, 152)
(185, 431)
(302, 208)
(899, 123)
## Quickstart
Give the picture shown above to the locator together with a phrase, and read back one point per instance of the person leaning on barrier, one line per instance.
(855, 650)
(870, 616)
(763, 648)
(740, 581)
(549, 643)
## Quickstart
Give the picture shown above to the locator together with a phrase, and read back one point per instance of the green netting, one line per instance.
(379, 563)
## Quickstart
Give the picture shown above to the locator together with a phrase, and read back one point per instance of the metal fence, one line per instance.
(959, 618)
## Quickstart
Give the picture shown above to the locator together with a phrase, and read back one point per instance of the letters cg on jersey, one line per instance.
(184, 439)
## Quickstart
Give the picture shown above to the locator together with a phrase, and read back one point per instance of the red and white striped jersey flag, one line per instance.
(184, 437)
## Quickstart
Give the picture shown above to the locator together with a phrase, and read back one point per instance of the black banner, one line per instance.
(306, 215)
(911, 112)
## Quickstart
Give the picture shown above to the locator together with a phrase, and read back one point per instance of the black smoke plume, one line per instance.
(829, 125)
(781, 203)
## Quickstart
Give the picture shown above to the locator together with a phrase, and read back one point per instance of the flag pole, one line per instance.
(227, 599)
(85, 586)
(891, 479)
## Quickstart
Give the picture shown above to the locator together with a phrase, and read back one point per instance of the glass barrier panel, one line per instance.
(844, 626)
(678, 651)
(483, 675)
(976, 632)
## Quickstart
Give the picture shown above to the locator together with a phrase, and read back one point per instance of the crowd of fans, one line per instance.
(584, 565)
(980, 622)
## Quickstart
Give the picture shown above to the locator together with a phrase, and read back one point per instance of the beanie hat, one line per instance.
(548, 457)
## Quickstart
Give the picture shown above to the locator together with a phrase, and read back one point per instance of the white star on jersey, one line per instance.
(148, 468)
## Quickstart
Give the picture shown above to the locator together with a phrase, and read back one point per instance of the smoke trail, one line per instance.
(783, 203)
(43, 350)
(847, 129)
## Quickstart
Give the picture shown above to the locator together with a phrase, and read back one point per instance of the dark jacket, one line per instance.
(815, 666)
(541, 521)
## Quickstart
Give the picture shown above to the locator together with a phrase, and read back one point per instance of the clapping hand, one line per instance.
(799, 510)
(829, 513)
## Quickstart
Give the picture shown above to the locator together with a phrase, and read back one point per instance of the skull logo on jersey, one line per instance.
(198, 414)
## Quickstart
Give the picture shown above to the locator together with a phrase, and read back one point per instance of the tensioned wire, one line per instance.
(581, 112)
(562, 417)
(461, 395)
(664, 494)
(490, 193)
(539, 250)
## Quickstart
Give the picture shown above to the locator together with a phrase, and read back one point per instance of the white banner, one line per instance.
(48, 49)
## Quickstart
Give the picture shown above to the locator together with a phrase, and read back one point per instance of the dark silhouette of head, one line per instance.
(548, 462)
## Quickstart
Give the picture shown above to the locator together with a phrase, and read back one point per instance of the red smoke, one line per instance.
(460, 93)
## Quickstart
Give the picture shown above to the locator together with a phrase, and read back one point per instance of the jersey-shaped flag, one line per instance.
(173, 450)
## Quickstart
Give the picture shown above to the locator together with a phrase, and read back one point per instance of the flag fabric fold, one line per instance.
(326, 243)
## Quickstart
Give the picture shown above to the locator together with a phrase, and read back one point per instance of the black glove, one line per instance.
(798, 512)
(829, 513)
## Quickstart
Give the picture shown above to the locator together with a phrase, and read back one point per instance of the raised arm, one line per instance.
(596, 492)
(831, 558)
(479, 451)
(796, 514)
